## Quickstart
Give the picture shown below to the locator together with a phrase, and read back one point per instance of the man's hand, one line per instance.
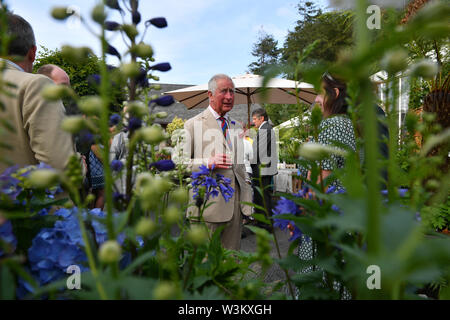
(220, 161)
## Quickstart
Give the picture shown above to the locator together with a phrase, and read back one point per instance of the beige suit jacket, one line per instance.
(203, 139)
(37, 135)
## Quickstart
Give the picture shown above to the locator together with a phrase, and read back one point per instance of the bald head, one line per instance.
(58, 75)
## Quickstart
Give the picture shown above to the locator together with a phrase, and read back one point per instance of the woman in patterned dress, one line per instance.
(336, 126)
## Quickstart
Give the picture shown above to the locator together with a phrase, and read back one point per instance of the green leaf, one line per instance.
(7, 284)
(137, 262)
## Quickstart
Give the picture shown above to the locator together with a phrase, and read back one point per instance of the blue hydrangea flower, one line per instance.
(7, 237)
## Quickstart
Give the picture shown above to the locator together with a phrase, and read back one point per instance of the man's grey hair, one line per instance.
(260, 112)
(212, 83)
(21, 35)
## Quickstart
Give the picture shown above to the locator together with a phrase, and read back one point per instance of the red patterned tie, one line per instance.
(225, 130)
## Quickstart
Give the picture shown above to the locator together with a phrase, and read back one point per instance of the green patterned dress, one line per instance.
(334, 129)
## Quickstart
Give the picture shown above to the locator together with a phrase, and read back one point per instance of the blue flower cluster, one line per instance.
(204, 179)
(54, 249)
(12, 181)
(7, 237)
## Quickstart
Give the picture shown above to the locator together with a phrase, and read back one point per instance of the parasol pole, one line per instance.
(248, 106)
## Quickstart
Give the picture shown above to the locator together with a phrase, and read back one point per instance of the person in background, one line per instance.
(212, 140)
(264, 162)
(57, 74)
(336, 126)
(37, 136)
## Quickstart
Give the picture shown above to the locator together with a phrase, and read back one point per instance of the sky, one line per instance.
(203, 37)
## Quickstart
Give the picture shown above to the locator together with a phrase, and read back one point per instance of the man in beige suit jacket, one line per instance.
(37, 135)
(206, 144)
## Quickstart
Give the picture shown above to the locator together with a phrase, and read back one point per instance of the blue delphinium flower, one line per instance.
(112, 26)
(164, 66)
(114, 119)
(7, 236)
(163, 101)
(134, 123)
(116, 165)
(136, 17)
(163, 165)
(113, 51)
(159, 22)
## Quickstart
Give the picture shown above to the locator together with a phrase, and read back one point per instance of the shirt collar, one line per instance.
(261, 124)
(12, 64)
(216, 115)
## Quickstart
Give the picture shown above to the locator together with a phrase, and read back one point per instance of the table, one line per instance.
(284, 180)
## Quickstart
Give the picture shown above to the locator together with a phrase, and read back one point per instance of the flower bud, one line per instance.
(395, 61)
(90, 198)
(316, 151)
(137, 109)
(136, 17)
(142, 50)
(112, 25)
(198, 235)
(76, 55)
(43, 178)
(156, 87)
(110, 252)
(91, 105)
(159, 22)
(165, 291)
(152, 135)
(145, 227)
(61, 13)
(73, 124)
(54, 92)
(130, 31)
(432, 184)
(161, 115)
(172, 215)
(143, 180)
(180, 195)
(160, 185)
(164, 66)
(98, 14)
(426, 69)
(131, 70)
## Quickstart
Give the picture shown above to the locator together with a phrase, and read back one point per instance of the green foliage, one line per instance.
(333, 29)
(80, 74)
(266, 52)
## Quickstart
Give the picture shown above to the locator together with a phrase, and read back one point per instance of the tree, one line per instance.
(266, 52)
(82, 76)
(334, 30)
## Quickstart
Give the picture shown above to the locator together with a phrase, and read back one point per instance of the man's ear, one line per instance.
(31, 55)
(336, 90)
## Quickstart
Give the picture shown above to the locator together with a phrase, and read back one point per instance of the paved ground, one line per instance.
(275, 273)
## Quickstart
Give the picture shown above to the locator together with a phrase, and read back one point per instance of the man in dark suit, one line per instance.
(265, 159)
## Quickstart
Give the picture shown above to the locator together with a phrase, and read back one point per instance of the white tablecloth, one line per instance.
(283, 180)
